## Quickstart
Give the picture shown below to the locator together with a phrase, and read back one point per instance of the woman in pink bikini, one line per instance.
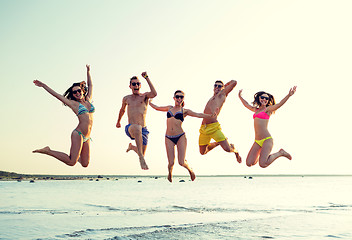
(263, 106)
(175, 136)
(78, 98)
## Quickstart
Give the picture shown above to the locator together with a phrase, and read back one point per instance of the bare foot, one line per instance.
(238, 157)
(285, 154)
(129, 147)
(144, 165)
(43, 150)
(169, 177)
(193, 176)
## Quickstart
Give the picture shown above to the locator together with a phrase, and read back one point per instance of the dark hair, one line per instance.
(69, 95)
(179, 91)
(133, 78)
(219, 81)
(256, 101)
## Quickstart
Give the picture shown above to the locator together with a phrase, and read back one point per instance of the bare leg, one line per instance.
(253, 155)
(265, 159)
(85, 154)
(136, 133)
(170, 151)
(230, 148)
(206, 148)
(132, 147)
(181, 154)
(76, 146)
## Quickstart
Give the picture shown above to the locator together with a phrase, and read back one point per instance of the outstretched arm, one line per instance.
(245, 103)
(158, 108)
(52, 92)
(122, 112)
(277, 106)
(229, 87)
(89, 82)
(152, 92)
(189, 112)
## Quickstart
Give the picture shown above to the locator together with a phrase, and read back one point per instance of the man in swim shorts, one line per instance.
(211, 128)
(137, 104)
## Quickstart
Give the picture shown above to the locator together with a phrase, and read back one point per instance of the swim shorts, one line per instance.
(145, 134)
(210, 131)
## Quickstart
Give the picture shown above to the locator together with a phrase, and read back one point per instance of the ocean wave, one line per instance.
(335, 207)
(37, 211)
(96, 208)
(222, 230)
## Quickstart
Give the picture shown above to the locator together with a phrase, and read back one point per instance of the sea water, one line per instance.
(153, 208)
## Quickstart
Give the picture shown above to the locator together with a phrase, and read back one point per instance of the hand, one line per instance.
(38, 83)
(292, 91)
(240, 93)
(88, 67)
(145, 75)
(118, 125)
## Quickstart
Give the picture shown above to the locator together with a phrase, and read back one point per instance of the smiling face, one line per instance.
(135, 85)
(264, 99)
(218, 86)
(77, 92)
(179, 97)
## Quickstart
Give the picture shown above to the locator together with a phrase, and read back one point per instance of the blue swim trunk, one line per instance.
(145, 134)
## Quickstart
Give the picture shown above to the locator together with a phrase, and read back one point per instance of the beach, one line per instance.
(152, 208)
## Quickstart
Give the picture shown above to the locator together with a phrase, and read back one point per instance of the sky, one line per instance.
(186, 44)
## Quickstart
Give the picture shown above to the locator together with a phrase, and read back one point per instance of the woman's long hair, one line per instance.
(179, 91)
(69, 95)
(256, 102)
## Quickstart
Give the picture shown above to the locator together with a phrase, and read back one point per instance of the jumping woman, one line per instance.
(263, 106)
(175, 136)
(78, 98)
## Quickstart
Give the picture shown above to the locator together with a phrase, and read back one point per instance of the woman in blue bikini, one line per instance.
(175, 136)
(78, 98)
(263, 106)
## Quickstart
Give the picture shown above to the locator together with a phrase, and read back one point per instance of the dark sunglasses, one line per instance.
(136, 83)
(218, 85)
(77, 91)
(262, 97)
(179, 96)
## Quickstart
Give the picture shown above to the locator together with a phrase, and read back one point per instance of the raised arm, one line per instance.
(229, 87)
(188, 112)
(152, 92)
(282, 102)
(245, 103)
(158, 108)
(55, 94)
(122, 112)
(89, 83)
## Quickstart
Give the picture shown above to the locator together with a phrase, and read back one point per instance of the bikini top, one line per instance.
(82, 109)
(261, 115)
(178, 115)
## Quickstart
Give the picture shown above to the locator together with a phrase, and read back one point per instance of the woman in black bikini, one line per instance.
(78, 98)
(175, 136)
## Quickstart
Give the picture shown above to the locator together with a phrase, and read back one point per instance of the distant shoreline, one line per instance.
(11, 176)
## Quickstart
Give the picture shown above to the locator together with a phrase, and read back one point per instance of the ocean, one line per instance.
(263, 207)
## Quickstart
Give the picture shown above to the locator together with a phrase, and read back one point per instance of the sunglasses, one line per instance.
(136, 83)
(218, 85)
(262, 97)
(77, 91)
(179, 96)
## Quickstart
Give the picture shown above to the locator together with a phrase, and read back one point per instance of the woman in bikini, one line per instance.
(78, 98)
(263, 106)
(175, 136)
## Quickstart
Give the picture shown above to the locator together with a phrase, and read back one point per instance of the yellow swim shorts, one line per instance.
(210, 131)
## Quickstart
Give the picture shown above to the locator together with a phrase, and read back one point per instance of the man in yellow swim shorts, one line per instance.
(210, 128)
